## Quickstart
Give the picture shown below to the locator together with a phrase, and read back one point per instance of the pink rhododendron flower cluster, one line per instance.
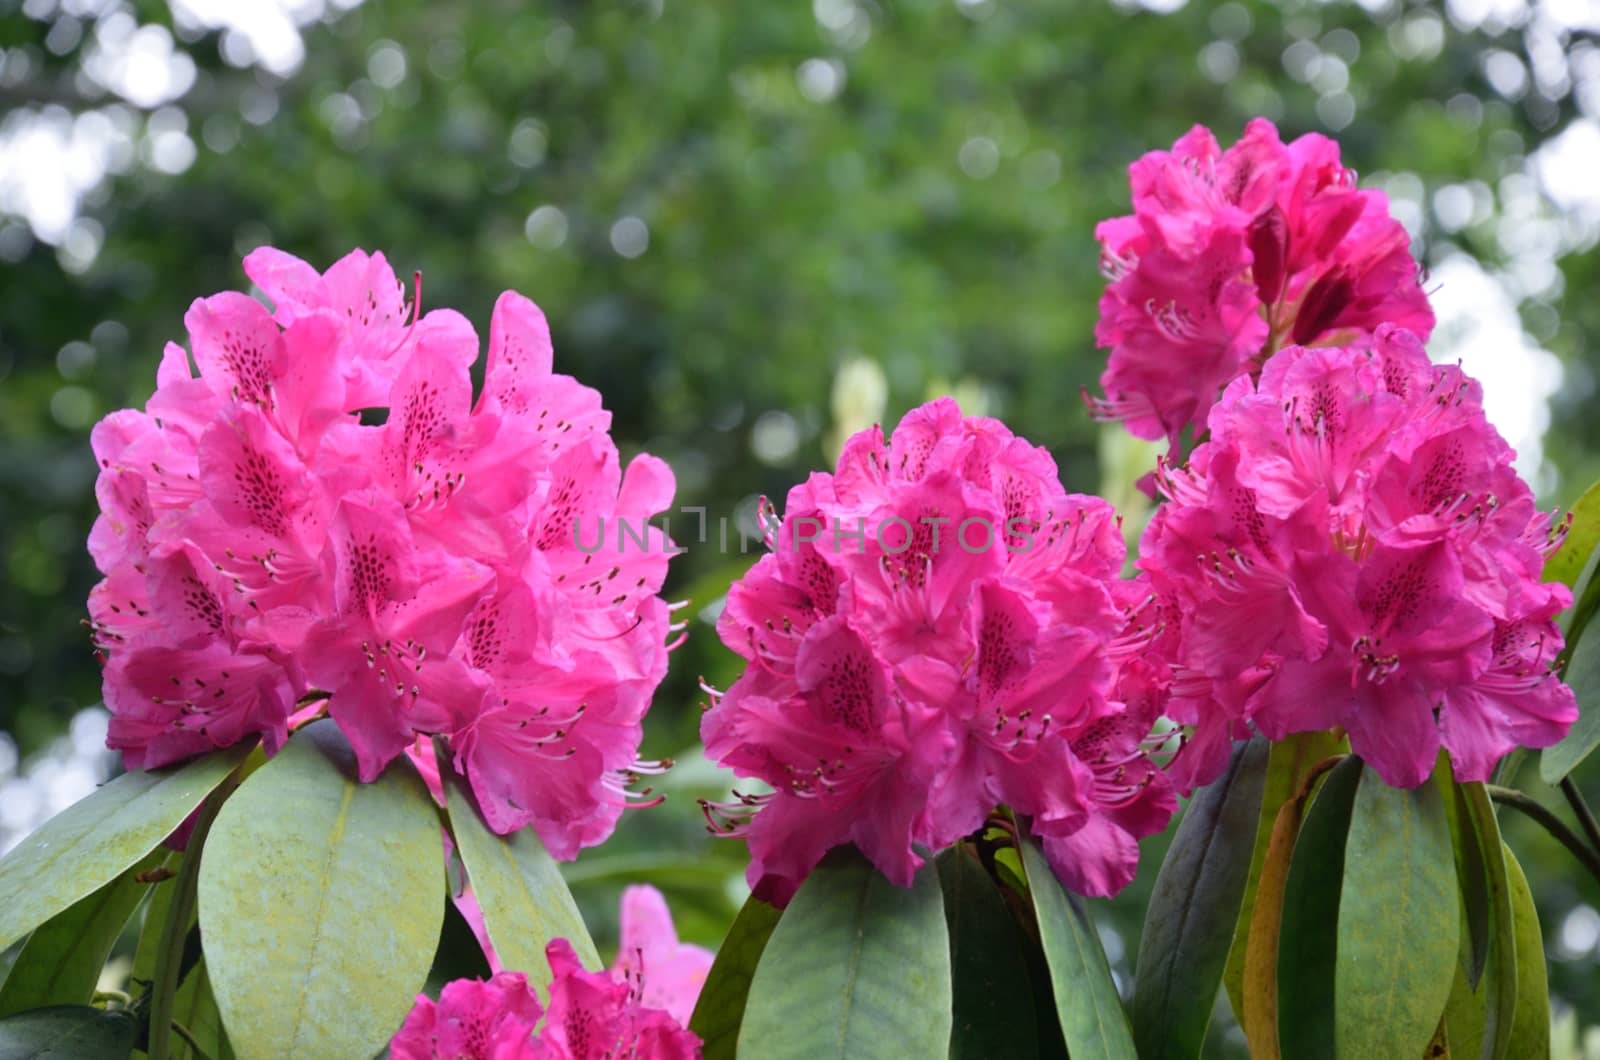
(1231, 254)
(325, 512)
(939, 629)
(591, 1016)
(1351, 547)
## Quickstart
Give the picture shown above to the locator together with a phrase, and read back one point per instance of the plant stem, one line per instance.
(1581, 811)
(1589, 859)
(189, 1040)
(169, 957)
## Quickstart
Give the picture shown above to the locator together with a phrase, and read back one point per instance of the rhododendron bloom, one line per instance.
(594, 1017)
(591, 1016)
(472, 1020)
(1227, 256)
(326, 514)
(668, 974)
(1352, 548)
(938, 630)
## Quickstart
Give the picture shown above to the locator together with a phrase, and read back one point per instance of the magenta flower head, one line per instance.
(938, 629)
(1229, 255)
(595, 1017)
(472, 1020)
(326, 518)
(591, 1016)
(1351, 547)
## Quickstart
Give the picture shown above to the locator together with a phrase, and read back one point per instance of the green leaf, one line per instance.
(525, 901)
(1289, 762)
(1501, 988)
(720, 1010)
(993, 1014)
(1092, 1020)
(1585, 602)
(1307, 928)
(196, 1009)
(1568, 562)
(1465, 1011)
(1189, 924)
(67, 1032)
(1399, 922)
(60, 964)
(179, 948)
(1575, 565)
(1530, 1031)
(857, 968)
(1583, 675)
(1472, 870)
(321, 901)
(91, 842)
(154, 917)
(1259, 1020)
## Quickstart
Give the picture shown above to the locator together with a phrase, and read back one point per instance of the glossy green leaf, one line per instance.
(1259, 1020)
(1583, 675)
(321, 900)
(1575, 565)
(1189, 924)
(196, 1009)
(994, 1013)
(145, 959)
(1308, 924)
(720, 1010)
(525, 901)
(179, 947)
(91, 842)
(1091, 1015)
(1500, 989)
(1530, 1030)
(1399, 922)
(1472, 870)
(1289, 762)
(60, 964)
(1567, 563)
(153, 918)
(1585, 602)
(857, 968)
(67, 1032)
(1465, 1011)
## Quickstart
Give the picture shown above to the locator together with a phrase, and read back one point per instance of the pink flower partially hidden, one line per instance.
(1227, 256)
(591, 1016)
(666, 973)
(327, 514)
(1353, 548)
(938, 630)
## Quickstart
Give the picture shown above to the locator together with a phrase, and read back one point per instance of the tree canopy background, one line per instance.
(751, 226)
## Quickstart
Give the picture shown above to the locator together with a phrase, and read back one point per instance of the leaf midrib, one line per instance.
(334, 837)
(1404, 885)
(853, 969)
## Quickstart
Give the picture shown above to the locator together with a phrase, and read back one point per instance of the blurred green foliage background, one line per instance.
(751, 226)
